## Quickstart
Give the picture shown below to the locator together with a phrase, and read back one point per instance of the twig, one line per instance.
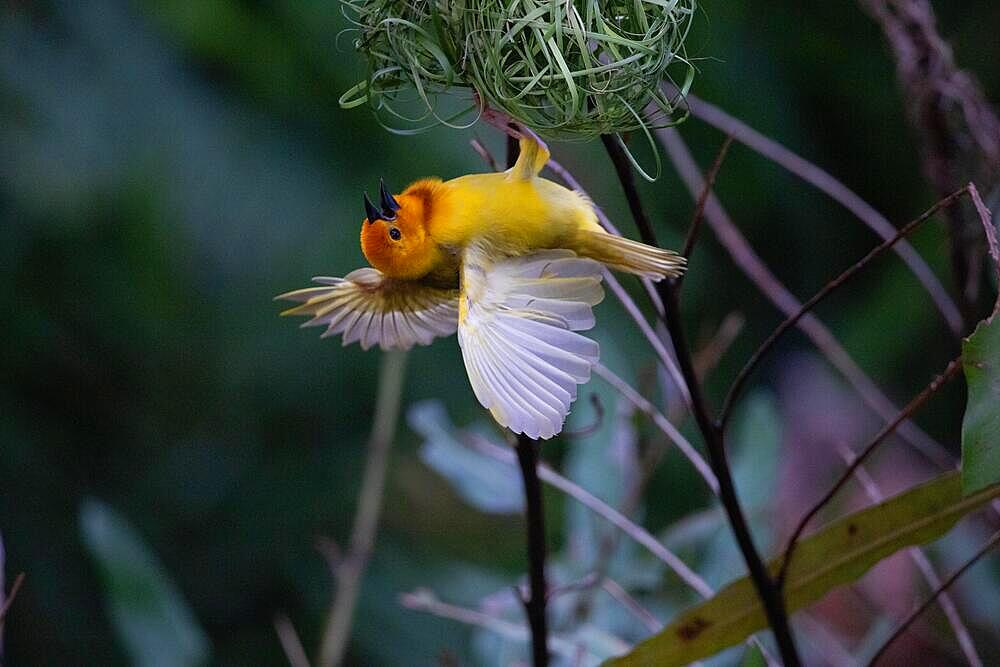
(6, 600)
(661, 422)
(992, 245)
(602, 509)
(708, 357)
(615, 590)
(830, 186)
(425, 601)
(485, 154)
(923, 564)
(639, 534)
(829, 288)
(751, 264)
(699, 208)
(957, 127)
(290, 642)
(590, 429)
(945, 585)
(829, 645)
(351, 568)
(534, 605)
(950, 371)
(770, 595)
(654, 341)
(585, 583)
(9, 601)
(624, 170)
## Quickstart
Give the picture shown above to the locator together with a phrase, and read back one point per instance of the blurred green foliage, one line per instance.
(167, 167)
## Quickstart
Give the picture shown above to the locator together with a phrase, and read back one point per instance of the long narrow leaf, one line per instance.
(837, 554)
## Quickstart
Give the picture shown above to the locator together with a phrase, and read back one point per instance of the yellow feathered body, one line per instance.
(515, 215)
(509, 261)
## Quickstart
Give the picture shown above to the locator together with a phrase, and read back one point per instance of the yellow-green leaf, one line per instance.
(835, 555)
(981, 425)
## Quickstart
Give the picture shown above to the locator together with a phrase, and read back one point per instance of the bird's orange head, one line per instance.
(394, 236)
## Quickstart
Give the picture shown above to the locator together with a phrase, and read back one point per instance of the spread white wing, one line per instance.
(517, 329)
(371, 309)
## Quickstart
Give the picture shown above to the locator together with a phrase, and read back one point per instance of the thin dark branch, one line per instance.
(829, 288)
(624, 170)
(636, 532)
(770, 594)
(957, 128)
(992, 244)
(534, 606)
(513, 148)
(945, 585)
(923, 564)
(527, 458)
(836, 190)
(699, 208)
(953, 368)
(744, 256)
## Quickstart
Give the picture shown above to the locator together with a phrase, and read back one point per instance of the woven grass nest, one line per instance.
(568, 69)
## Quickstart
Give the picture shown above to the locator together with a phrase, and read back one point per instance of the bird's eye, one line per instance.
(395, 234)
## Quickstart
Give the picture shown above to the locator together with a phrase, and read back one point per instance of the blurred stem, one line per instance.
(711, 430)
(527, 458)
(829, 288)
(923, 564)
(990, 544)
(953, 368)
(827, 184)
(749, 262)
(350, 570)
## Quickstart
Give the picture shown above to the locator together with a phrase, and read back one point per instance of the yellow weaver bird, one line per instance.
(510, 260)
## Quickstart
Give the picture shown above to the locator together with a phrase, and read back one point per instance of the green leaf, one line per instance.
(981, 425)
(152, 620)
(482, 482)
(837, 554)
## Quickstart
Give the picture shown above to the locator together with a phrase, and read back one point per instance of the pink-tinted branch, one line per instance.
(748, 261)
(953, 369)
(945, 585)
(661, 422)
(828, 289)
(923, 564)
(826, 183)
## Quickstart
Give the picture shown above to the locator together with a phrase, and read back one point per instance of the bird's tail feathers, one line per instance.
(622, 254)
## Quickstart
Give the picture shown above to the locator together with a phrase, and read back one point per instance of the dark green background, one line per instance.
(167, 167)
